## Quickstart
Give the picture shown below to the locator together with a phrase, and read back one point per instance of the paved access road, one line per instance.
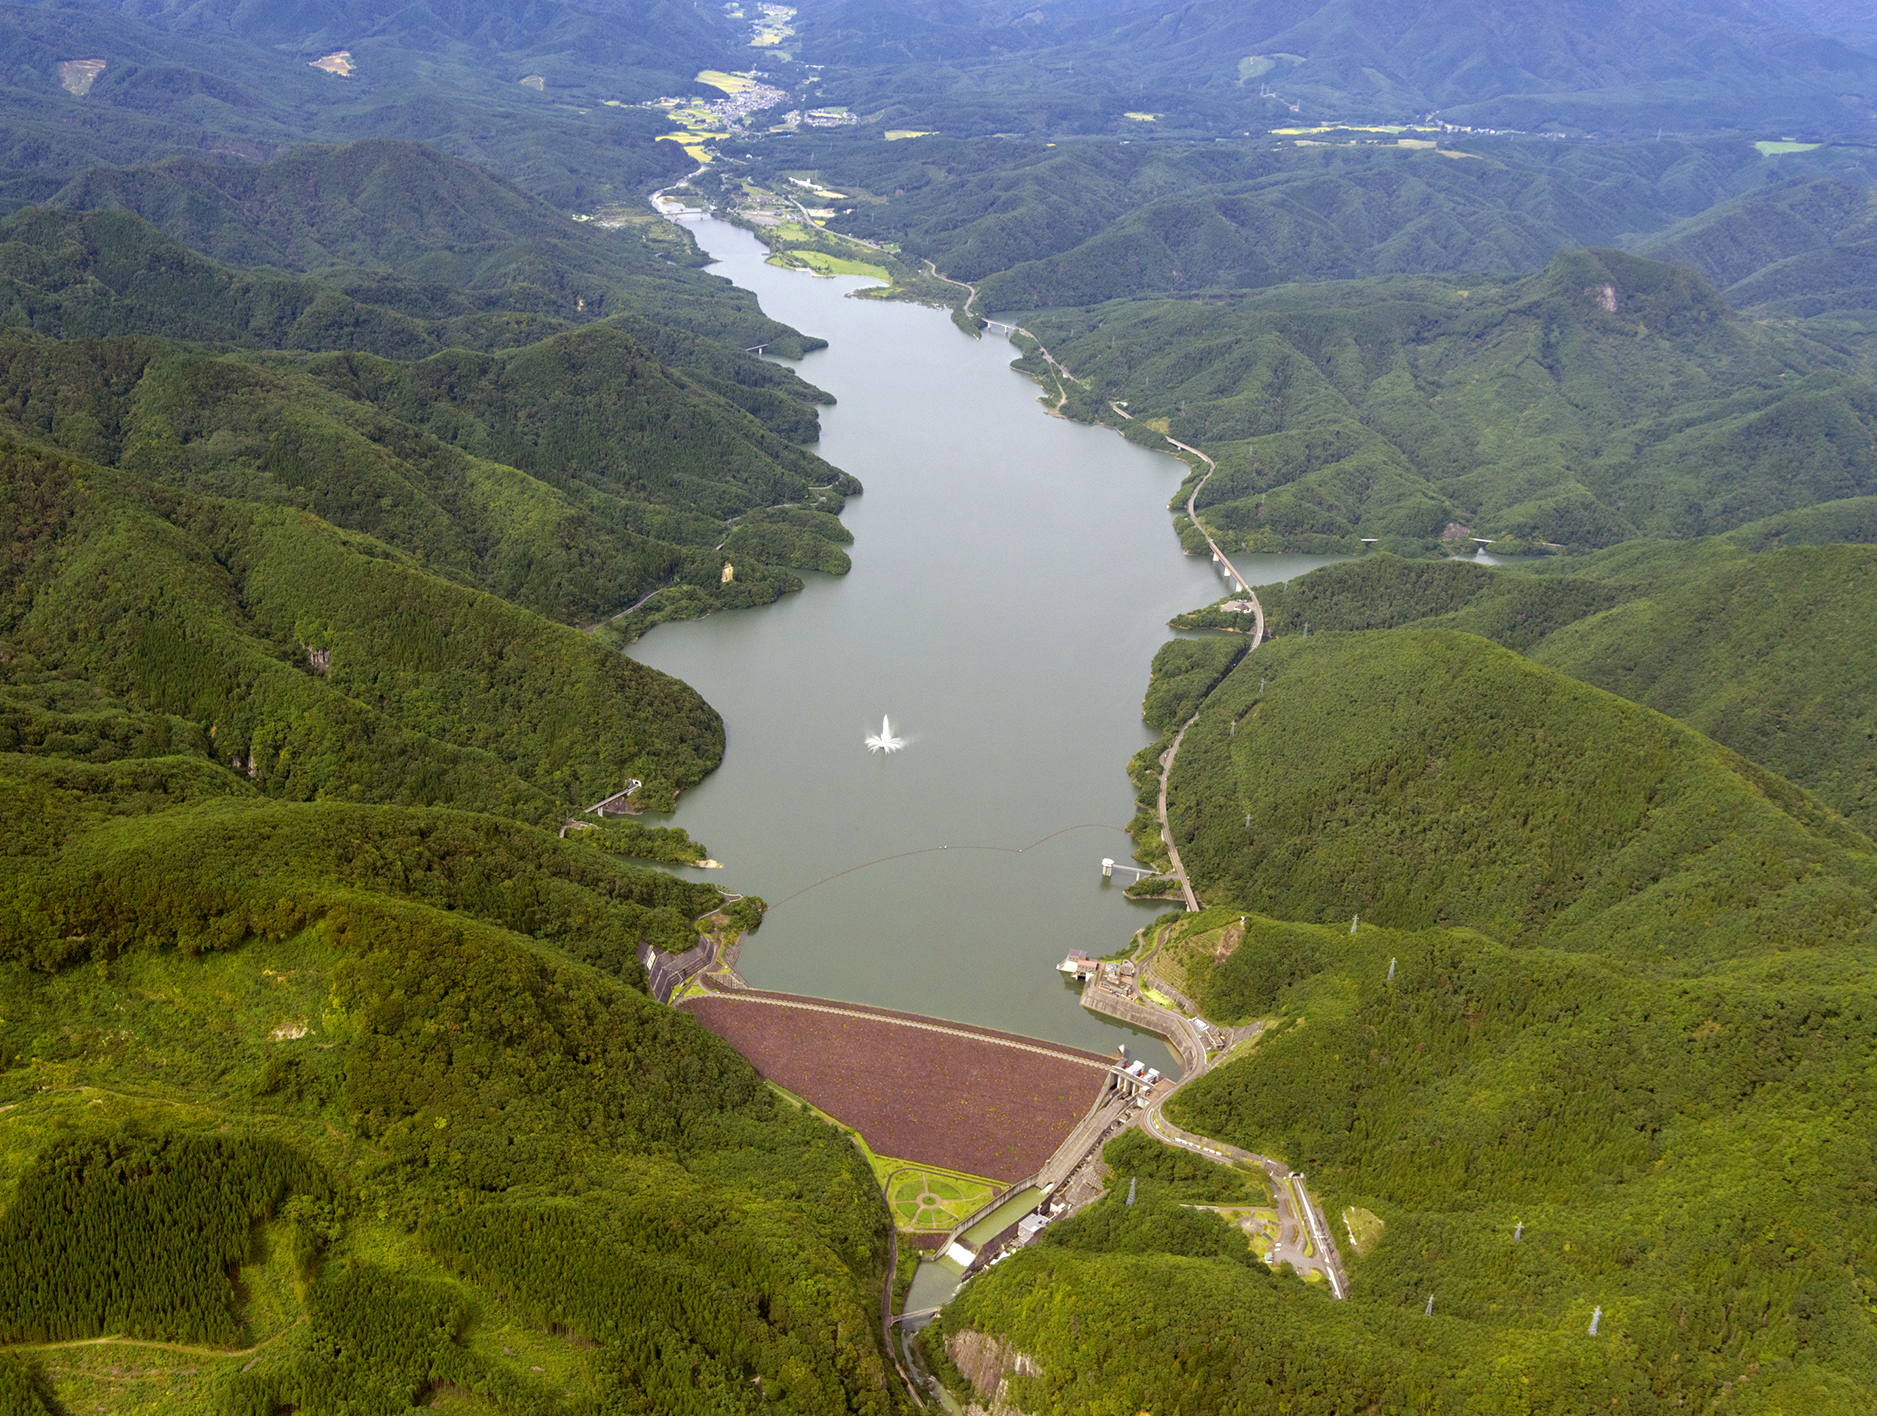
(1304, 1238)
(1257, 638)
(1286, 1185)
(1166, 832)
(1192, 515)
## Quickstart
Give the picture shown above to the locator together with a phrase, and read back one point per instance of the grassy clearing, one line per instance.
(926, 1198)
(821, 263)
(1258, 1223)
(1363, 1226)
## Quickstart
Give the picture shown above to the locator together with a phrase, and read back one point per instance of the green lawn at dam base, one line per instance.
(926, 1200)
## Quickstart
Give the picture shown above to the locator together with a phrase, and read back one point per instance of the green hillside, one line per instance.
(324, 662)
(1803, 249)
(1601, 398)
(1768, 654)
(572, 471)
(1764, 653)
(1562, 814)
(1042, 224)
(1599, 1042)
(323, 1057)
(1735, 240)
(87, 277)
(401, 225)
(1853, 519)
(387, 1117)
(1413, 211)
(476, 490)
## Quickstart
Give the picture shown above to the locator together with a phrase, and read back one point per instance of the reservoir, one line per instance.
(1012, 577)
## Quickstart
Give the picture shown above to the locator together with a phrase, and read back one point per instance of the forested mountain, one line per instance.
(1765, 652)
(1581, 65)
(1352, 213)
(1038, 225)
(400, 224)
(1602, 398)
(575, 475)
(637, 43)
(236, 81)
(301, 502)
(371, 1066)
(1552, 857)
(1847, 20)
(1801, 249)
(1604, 972)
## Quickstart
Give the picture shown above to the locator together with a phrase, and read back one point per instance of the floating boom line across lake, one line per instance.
(934, 850)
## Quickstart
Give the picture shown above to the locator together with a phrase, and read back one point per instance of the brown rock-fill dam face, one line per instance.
(919, 1089)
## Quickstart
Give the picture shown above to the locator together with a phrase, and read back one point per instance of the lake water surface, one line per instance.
(1013, 575)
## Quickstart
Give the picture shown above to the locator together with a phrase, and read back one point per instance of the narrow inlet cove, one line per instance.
(1012, 577)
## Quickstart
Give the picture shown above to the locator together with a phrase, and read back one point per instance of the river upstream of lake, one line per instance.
(1013, 574)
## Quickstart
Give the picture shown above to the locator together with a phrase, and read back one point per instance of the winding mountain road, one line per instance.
(1192, 515)
(1303, 1240)
(1166, 832)
(1257, 638)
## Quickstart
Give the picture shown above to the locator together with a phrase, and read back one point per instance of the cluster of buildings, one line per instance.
(1136, 1078)
(1118, 976)
(818, 118)
(738, 108)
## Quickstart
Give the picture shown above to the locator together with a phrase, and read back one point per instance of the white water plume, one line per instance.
(884, 741)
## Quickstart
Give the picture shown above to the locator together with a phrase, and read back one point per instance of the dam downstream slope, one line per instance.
(1012, 577)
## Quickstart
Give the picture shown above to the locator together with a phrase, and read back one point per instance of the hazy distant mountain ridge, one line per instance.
(1040, 226)
(624, 43)
(1849, 20)
(1576, 63)
(235, 81)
